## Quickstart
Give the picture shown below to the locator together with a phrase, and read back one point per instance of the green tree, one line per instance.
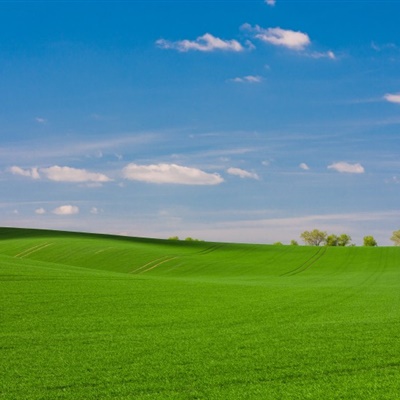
(314, 237)
(370, 241)
(278, 244)
(173, 238)
(396, 238)
(294, 242)
(190, 239)
(332, 240)
(341, 240)
(344, 240)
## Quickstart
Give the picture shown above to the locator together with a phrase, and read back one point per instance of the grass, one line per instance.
(100, 317)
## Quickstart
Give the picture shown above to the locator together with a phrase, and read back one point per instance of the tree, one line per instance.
(293, 242)
(173, 238)
(341, 240)
(278, 244)
(344, 240)
(396, 238)
(332, 240)
(314, 238)
(370, 241)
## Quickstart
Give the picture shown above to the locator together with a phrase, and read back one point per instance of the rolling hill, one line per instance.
(108, 317)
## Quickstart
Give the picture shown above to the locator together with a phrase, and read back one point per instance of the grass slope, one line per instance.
(102, 317)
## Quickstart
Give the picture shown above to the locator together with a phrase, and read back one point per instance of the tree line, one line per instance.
(321, 238)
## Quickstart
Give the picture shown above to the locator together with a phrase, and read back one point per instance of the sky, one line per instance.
(233, 121)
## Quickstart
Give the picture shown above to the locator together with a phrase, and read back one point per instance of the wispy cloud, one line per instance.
(242, 173)
(170, 173)
(227, 152)
(41, 120)
(270, 2)
(206, 43)
(30, 173)
(39, 153)
(66, 210)
(60, 174)
(40, 211)
(394, 179)
(385, 46)
(293, 40)
(392, 98)
(327, 54)
(345, 167)
(247, 79)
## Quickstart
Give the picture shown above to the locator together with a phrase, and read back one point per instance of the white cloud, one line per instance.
(61, 174)
(270, 2)
(68, 174)
(247, 79)
(95, 211)
(207, 42)
(328, 54)
(345, 167)
(242, 173)
(392, 98)
(170, 173)
(331, 54)
(293, 40)
(304, 166)
(40, 211)
(40, 120)
(30, 173)
(66, 210)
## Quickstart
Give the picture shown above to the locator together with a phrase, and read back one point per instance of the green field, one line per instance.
(87, 316)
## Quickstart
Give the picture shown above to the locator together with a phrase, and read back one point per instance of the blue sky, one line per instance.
(244, 121)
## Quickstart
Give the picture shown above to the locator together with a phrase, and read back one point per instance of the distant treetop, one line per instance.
(396, 238)
(370, 241)
(314, 237)
(317, 237)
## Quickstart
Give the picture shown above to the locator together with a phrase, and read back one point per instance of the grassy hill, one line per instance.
(86, 316)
